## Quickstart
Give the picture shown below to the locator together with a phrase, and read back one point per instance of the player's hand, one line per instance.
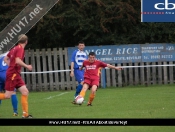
(29, 67)
(119, 68)
(71, 74)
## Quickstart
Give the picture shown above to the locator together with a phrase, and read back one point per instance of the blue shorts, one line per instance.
(2, 80)
(79, 75)
(2, 85)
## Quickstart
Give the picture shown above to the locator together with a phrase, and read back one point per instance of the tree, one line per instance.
(97, 22)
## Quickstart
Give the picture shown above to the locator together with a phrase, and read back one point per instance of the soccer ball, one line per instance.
(79, 100)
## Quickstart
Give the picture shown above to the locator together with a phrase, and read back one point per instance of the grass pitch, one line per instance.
(127, 102)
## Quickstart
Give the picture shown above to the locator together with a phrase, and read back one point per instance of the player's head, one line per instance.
(92, 57)
(22, 39)
(81, 45)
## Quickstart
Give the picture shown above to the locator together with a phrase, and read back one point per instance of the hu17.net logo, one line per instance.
(157, 10)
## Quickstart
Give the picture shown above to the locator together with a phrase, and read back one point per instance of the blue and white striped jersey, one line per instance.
(78, 57)
(3, 65)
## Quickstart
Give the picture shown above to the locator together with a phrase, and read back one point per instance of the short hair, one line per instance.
(22, 38)
(81, 42)
(92, 53)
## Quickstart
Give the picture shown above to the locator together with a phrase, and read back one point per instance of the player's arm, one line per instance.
(72, 64)
(81, 68)
(21, 63)
(113, 67)
(72, 69)
(7, 60)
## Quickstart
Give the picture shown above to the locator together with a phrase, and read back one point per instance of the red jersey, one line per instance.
(92, 70)
(17, 51)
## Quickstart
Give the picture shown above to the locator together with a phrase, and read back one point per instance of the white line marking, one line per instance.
(57, 95)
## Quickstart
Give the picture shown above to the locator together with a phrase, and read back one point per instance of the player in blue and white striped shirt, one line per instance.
(77, 59)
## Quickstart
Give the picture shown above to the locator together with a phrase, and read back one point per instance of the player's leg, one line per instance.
(92, 95)
(13, 98)
(14, 102)
(24, 101)
(6, 95)
(19, 84)
(79, 76)
(84, 89)
(95, 84)
(8, 86)
(79, 88)
(2, 82)
(1, 89)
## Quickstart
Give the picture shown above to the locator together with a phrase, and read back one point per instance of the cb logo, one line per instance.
(165, 6)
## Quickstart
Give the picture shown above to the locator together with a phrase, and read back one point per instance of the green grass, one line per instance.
(128, 102)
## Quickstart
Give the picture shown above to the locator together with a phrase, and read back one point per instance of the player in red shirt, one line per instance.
(14, 60)
(91, 75)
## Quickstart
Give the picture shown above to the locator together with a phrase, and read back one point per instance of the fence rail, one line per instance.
(57, 59)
